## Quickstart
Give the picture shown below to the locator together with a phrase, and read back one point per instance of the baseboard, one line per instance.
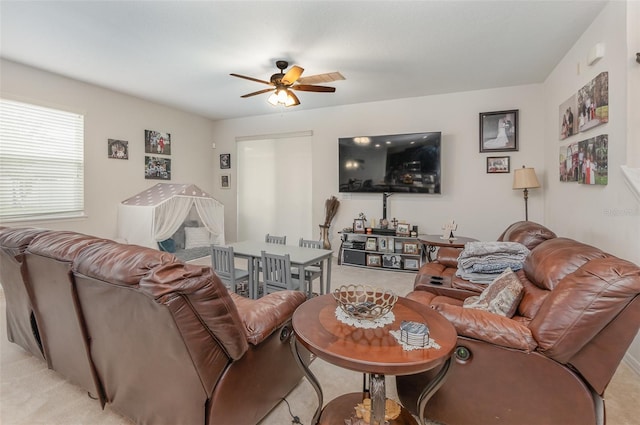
(632, 362)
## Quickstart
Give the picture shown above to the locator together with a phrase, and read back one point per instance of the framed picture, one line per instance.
(397, 244)
(391, 261)
(225, 160)
(358, 225)
(403, 229)
(157, 142)
(410, 248)
(157, 168)
(118, 149)
(499, 131)
(225, 181)
(382, 245)
(371, 244)
(498, 164)
(374, 260)
(411, 264)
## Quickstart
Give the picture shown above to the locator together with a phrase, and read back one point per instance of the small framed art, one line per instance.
(498, 164)
(358, 225)
(225, 161)
(371, 244)
(374, 260)
(391, 261)
(499, 131)
(403, 229)
(410, 248)
(382, 244)
(225, 181)
(411, 264)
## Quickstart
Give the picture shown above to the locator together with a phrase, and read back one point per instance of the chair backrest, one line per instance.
(276, 271)
(282, 240)
(156, 323)
(307, 243)
(223, 264)
(22, 327)
(62, 327)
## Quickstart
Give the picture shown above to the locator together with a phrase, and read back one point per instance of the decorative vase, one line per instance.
(324, 236)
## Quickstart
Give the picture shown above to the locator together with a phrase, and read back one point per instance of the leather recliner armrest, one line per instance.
(488, 327)
(263, 316)
(448, 256)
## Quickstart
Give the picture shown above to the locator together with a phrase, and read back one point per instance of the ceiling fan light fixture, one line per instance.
(283, 97)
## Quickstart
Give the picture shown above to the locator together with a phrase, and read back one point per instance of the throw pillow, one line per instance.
(196, 237)
(168, 245)
(502, 296)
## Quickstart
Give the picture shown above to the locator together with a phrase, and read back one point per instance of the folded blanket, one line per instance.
(481, 262)
(477, 249)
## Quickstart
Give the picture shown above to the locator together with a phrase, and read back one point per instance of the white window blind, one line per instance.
(41, 162)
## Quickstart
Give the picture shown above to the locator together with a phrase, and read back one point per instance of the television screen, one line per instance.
(408, 163)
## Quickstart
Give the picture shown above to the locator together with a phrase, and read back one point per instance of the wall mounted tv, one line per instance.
(397, 163)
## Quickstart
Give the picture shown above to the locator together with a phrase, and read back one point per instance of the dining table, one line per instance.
(300, 257)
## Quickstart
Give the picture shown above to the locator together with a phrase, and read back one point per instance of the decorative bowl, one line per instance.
(364, 302)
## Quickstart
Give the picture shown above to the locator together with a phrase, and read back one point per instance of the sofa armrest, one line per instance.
(488, 327)
(263, 316)
(448, 256)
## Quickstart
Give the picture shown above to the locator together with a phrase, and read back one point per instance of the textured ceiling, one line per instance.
(181, 53)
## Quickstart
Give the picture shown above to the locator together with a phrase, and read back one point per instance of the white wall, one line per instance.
(605, 216)
(111, 115)
(483, 204)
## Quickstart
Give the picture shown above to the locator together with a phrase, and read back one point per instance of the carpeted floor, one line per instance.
(32, 394)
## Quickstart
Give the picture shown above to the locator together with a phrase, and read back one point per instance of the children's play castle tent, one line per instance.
(157, 213)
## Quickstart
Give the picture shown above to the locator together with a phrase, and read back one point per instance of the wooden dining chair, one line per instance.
(223, 262)
(313, 271)
(282, 240)
(276, 274)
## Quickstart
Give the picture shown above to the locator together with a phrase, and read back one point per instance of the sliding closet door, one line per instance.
(274, 188)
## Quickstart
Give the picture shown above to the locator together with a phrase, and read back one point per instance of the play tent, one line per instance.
(162, 212)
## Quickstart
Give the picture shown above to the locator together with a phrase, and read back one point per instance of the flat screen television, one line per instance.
(397, 163)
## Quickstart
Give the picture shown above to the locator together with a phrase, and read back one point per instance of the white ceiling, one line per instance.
(181, 53)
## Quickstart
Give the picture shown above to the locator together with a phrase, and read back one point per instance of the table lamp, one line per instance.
(525, 178)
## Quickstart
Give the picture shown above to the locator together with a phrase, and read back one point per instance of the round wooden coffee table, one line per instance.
(372, 351)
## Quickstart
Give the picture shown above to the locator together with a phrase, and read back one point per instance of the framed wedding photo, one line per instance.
(498, 164)
(499, 131)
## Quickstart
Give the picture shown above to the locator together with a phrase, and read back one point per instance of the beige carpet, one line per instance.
(31, 394)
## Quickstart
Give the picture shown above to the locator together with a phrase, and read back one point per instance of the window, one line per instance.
(41, 162)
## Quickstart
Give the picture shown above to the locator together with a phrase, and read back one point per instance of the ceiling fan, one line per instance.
(282, 83)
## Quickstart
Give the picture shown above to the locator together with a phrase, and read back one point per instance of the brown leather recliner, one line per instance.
(172, 346)
(22, 327)
(55, 302)
(552, 361)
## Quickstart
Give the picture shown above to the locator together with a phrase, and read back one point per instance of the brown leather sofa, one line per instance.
(161, 341)
(552, 361)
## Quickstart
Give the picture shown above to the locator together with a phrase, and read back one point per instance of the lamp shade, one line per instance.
(525, 178)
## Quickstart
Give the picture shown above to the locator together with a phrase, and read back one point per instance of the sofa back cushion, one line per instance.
(552, 260)
(582, 303)
(527, 233)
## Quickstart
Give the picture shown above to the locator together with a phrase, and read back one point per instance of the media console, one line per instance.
(384, 251)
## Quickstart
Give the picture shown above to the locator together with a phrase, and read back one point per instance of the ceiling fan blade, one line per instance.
(321, 78)
(292, 75)
(257, 92)
(251, 79)
(307, 87)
